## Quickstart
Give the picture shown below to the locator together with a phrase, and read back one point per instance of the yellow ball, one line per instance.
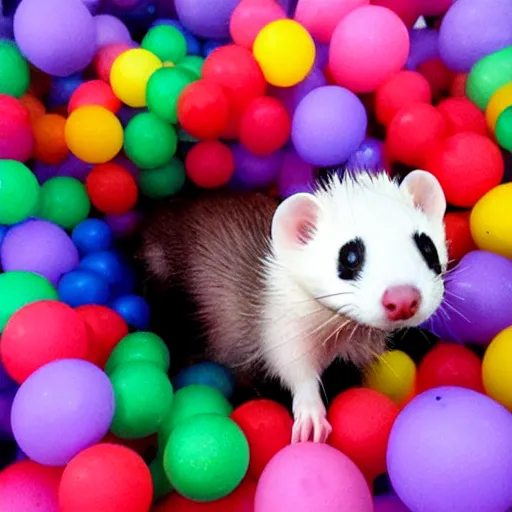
(496, 368)
(394, 375)
(499, 101)
(491, 221)
(130, 74)
(94, 134)
(285, 52)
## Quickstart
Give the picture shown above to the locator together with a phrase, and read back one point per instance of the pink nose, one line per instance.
(401, 302)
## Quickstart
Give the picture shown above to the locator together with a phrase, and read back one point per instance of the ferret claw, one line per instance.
(310, 425)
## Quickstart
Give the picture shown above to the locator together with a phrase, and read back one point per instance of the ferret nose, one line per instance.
(401, 302)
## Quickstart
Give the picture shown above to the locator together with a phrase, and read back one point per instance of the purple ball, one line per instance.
(62, 408)
(450, 450)
(110, 29)
(329, 124)
(389, 503)
(5, 380)
(39, 246)
(477, 303)
(6, 399)
(472, 29)
(257, 172)
(424, 46)
(92, 5)
(6, 31)
(124, 224)
(369, 156)
(295, 175)
(206, 18)
(71, 166)
(56, 36)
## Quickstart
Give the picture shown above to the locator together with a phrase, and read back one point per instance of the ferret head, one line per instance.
(367, 247)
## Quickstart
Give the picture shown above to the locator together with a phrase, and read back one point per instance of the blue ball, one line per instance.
(62, 88)
(126, 285)
(193, 43)
(207, 373)
(92, 235)
(134, 309)
(3, 232)
(107, 264)
(80, 287)
(210, 45)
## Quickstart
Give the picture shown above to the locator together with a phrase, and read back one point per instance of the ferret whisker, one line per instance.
(455, 310)
(454, 295)
(338, 294)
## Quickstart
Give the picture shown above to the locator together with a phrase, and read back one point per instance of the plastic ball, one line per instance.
(295, 176)
(125, 224)
(206, 457)
(105, 57)
(92, 235)
(166, 42)
(94, 92)
(193, 44)
(449, 364)
(34, 105)
(504, 129)
(164, 181)
(134, 309)
(50, 143)
(107, 264)
(462, 116)
(398, 91)
(164, 89)
(61, 90)
(370, 155)
(193, 64)
(256, 172)
(110, 29)
(352, 54)
(72, 403)
(307, 476)
(460, 52)
(81, 287)
(19, 192)
(285, 52)
(56, 36)
(207, 373)
(140, 346)
(130, 74)
(14, 70)
(458, 235)
(267, 426)
(16, 139)
(150, 141)
(467, 158)
(29, 486)
(6, 400)
(428, 475)
(106, 477)
(498, 103)
(39, 246)
(94, 134)
(329, 124)
(388, 503)
(210, 164)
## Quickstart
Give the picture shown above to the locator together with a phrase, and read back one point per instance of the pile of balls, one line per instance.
(106, 105)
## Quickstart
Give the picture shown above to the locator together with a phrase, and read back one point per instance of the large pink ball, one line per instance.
(369, 45)
(320, 17)
(309, 477)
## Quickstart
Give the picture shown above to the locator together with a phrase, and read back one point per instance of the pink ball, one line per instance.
(16, 139)
(312, 476)
(368, 46)
(320, 17)
(408, 10)
(434, 7)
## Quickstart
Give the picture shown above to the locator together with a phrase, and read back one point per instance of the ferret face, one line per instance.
(368, 249)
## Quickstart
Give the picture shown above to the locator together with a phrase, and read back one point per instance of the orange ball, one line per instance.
(50, 144)
(34, 105)
(458, 235)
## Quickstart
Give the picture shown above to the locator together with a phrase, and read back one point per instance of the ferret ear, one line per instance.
(295, 222)
(426, 192)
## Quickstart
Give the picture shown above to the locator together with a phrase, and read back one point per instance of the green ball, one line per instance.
(488, 75)
(19, 192)
(164, 89)
(192, 63)
(14, 70)
(191, 401)
(136, 347)
(166, 42)
(143, 398)
(206, 457)
(161, 484)
(19, 288)
(64, 201)
(163, 181)
(149, 141)
(503, 130)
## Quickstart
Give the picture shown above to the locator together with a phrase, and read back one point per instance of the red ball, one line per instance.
(41, 332)
(415, 131)
(458, 85)
(458, 235)
(462, 116)
(467, 166)
(94, 92)
(106, 329)
(203, 109)
(450, 364)
(105, 57)
(399, 90)
(106, 477)
(26, 486)
(16, 139)
(210, 164)
(361, 421)
(111, 188)
(264, 126)
(267, 426)
(438, 76)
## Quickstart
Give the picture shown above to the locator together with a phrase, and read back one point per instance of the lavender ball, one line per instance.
(295, 176)
(109, 30)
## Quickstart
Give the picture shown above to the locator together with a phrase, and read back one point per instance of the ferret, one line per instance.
(288, 287)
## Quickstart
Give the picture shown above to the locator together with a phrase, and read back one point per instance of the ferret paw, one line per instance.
(310, 425)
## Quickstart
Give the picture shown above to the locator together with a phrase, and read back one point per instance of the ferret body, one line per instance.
(287, 288)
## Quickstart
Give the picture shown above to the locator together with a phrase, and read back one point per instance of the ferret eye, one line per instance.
(351, 259)
(428, 251)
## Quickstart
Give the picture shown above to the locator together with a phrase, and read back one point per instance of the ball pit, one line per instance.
(108, 108)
